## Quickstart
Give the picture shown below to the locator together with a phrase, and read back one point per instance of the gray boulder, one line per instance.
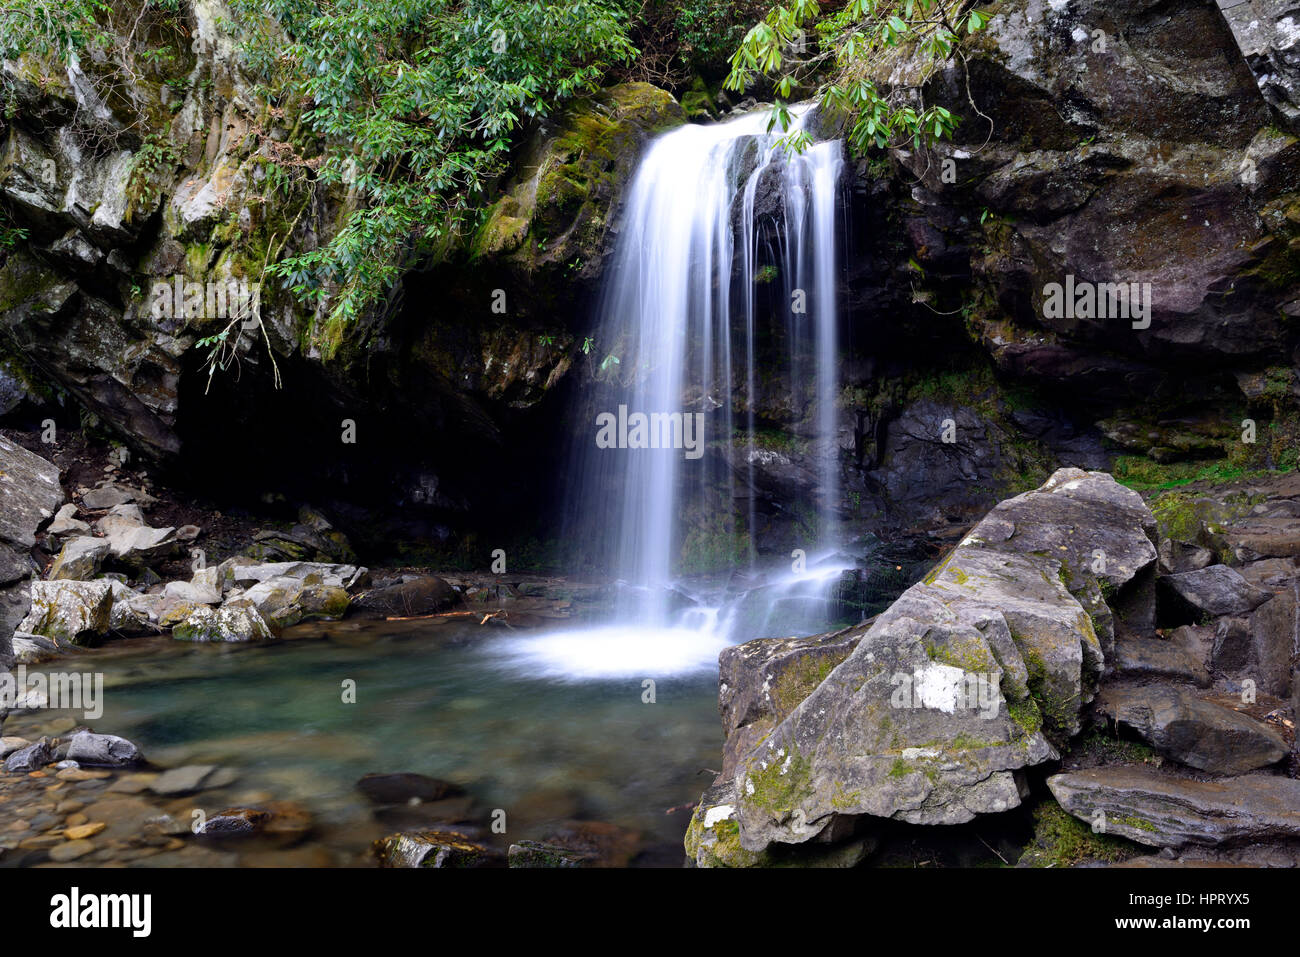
(132, 541)
(31, 758)
(957, 686)
(285, 601)
(30, 488)
(1259, 648)
(1162, 810)
(74, 611)
(1192, 731)
(102, 750)
(1139, 657)
(235, 621)
(80, 559)
(241, 572)
(1213, 591)
(421, 595)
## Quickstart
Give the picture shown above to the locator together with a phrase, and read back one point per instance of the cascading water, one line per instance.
(714, 217)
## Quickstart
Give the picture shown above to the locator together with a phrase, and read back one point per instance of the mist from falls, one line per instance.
(720, 222)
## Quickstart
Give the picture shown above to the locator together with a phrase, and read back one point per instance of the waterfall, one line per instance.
(720, 293)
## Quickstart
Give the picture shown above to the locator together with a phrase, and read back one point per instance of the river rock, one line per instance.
(1162, 810)
(432, 849)
(537, 854)
(235, 822)
(73, 611)
(183, 780)
(8, 745)
(1192, 731)
(197, 592)
(424, 595)
(1158, 658)
(31, 758)
(954, 689)
(283, 601)
(102, 750)
(604, 843)
(1214, 591)
(241, 574)
(235, 621)
(406, 787)
(80, 559)
(70, 851)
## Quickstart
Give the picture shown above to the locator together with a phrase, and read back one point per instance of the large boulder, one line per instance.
(961, 683)
(29, 486)
(235, 621)
(1164, 810)
(31, 491)
(75, 611)
(283, 601)
(1191, 730)
(102, 750)
(420, 595)
(243, 573)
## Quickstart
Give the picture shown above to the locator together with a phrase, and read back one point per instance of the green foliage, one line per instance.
(11, 236)
(156, 156)
(418, 103)
(49, 29)
(1143, 474)
(845, 43)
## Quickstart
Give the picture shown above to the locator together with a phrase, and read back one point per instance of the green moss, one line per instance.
(1026, 715)
(779, 787)
(1143, 474)
(801, 679)
(1061, 840)
(969, 653)
(1098, 747)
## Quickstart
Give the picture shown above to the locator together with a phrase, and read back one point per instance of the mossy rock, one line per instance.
(557, 208)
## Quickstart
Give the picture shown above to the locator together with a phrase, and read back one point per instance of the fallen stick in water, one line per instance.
(452, 614)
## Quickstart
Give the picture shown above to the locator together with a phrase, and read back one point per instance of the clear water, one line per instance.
(548, 727)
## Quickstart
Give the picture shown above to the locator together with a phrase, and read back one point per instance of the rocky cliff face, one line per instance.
(169, 170)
